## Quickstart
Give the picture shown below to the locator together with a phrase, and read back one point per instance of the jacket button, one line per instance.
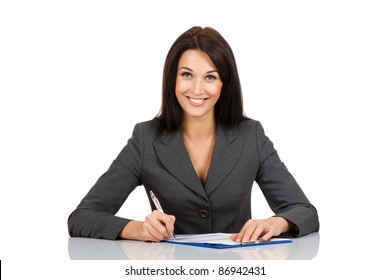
(204, 213)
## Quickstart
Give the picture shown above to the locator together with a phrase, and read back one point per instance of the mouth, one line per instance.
(197, 101)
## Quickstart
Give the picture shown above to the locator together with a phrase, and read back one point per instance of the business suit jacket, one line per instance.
(159, 161)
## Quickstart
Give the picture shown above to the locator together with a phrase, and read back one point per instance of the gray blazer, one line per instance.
(158, 160)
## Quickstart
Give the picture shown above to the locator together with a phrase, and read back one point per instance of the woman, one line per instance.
(200, 157)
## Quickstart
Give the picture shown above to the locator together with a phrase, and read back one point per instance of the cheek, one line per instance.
(216, 91)
(180, 87)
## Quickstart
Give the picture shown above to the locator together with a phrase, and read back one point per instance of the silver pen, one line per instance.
(158, 206)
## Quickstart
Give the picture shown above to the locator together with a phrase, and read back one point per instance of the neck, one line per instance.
(198, 128)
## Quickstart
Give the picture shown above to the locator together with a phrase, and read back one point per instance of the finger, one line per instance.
(171, 226)
(273, 228)
(253, 231)
(156, 225)
(243, 230)
(169, 223)
(268, 235)
(151, 234)
(260, 230)
(234, 236)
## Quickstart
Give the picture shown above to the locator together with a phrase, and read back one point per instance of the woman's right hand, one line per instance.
(157, 226)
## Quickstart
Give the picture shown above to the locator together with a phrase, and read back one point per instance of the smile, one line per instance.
(197, 101)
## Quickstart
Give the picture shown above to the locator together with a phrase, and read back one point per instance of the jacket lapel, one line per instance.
(173, 154)
(227, 151)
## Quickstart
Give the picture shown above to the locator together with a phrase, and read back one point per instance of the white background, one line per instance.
(76, 76)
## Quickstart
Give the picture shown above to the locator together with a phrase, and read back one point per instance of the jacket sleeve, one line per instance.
(281, 191)
(95, 215)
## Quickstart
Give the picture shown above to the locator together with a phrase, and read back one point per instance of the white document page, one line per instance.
(212, 238)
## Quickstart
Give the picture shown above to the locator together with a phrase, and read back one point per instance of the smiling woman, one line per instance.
(200, 156)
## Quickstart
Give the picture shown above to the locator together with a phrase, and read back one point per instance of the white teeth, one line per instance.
(197, 101)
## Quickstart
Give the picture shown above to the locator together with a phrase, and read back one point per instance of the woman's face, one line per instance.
(198, 84)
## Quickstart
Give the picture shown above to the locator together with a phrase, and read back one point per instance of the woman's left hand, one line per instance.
(254, 229)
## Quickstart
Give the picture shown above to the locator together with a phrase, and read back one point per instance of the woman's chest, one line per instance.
(200, 155)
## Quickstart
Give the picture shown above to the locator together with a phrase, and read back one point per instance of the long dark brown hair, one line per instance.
(229, 107)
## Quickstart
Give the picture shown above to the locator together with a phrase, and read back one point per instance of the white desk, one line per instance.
(303, 248)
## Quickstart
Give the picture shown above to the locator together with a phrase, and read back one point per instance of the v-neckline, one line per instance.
(209, 157)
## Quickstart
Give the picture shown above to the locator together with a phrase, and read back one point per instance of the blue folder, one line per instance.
(228, 246)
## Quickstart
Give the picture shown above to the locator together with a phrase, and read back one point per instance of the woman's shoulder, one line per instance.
(153, 124)
(150, 127)
(249, 128)
(248, 125)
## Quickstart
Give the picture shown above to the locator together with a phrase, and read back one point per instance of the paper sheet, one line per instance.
(213, 238)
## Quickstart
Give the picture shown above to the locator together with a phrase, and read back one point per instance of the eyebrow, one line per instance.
(189, 69)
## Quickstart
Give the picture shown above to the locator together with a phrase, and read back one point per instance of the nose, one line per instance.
(198, 87)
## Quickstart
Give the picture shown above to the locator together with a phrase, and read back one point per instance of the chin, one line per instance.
(198, 115)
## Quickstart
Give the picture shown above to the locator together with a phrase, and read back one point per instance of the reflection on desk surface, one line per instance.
(303, 248)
